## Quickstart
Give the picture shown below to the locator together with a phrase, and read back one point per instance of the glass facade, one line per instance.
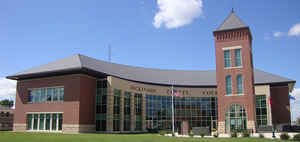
(138, 111)
(227, 59)
(117, 98)
(199, 111)
(45, 121)
(127, 111)
(239, 80)
(236, 119)
(101, 105)
(261, 110)
(228, 84)
(238, 60)
(40, 95)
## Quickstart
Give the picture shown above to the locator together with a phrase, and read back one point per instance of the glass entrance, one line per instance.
(236, 119)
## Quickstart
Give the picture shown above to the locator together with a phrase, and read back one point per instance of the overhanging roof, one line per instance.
(154, 76)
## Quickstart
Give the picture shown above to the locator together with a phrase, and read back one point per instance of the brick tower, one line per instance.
(235, 80)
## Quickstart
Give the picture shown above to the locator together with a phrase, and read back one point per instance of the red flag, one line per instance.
(270, 101)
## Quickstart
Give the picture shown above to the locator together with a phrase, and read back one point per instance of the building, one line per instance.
(81, 94)
(6, 118)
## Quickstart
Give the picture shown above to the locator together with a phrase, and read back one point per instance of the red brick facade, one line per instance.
(227, 39)
(78, 106)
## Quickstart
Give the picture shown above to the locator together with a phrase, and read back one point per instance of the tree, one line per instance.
(298, 120)
(7, 103)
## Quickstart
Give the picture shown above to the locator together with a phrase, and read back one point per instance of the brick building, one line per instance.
(81, 94)
(6, 118)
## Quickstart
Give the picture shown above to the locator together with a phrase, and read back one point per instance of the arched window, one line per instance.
(236, 119)
(228, 85)
(239, 81)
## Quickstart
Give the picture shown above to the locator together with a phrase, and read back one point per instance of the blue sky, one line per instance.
(34, 32)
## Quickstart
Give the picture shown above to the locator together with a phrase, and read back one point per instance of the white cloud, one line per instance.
(176, 13)
(295, 104)
(295, 30)
(7, 89)
(278, 34)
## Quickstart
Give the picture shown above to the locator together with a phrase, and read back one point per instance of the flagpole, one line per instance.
(172, 93)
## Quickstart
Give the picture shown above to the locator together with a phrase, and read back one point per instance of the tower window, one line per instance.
(228, 85)
(239, 81)
(238, 61)
(227, 58)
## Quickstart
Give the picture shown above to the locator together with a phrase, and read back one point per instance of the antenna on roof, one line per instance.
(109, 53)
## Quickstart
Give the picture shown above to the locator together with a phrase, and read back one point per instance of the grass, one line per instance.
(46, 137)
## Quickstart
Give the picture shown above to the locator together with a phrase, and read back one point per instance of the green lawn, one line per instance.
(45, 137)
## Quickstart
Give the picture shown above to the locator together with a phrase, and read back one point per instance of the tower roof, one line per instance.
(231, 22)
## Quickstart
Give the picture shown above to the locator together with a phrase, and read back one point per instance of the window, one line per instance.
(30, 98)
(238, 60)
(116, 121)
(41, 126)
(138, 111)
(49, 94)
(261, 110)
(127, 111)
(61, 94)
(227, 59)
(236, 119)
(228, 85)
(101, 104)
(239, 81)
(43, 95)
(44, 121)
(199, 111)
(29, 121)
(55, 94)
(46, 95)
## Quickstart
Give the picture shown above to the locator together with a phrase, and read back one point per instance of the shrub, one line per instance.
(191, 134)
(261, 136)
(245, 133)
(163, 132)
(202, 134)
(234, 134)
(296, 137)
(216, 135)
(213, 129)
(284, 136)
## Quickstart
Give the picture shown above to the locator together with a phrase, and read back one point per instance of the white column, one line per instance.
(32, 118)
(57, 122)
(50, 121)
(38, 125)
(44, 121)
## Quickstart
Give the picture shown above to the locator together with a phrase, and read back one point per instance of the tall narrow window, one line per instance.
(29, 121)
(227, 58)
(43, 95)
(49, 94)
(238, 61)
(30, 98)
(228, 85)
(41, 126)
(239, 81)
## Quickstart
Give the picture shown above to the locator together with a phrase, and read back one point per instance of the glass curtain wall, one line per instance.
(116, 122)
(127, 111)
(198, 111)
(236, 119)
(138, 111)
(44, 121)
(101, 105)
(261, 110)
